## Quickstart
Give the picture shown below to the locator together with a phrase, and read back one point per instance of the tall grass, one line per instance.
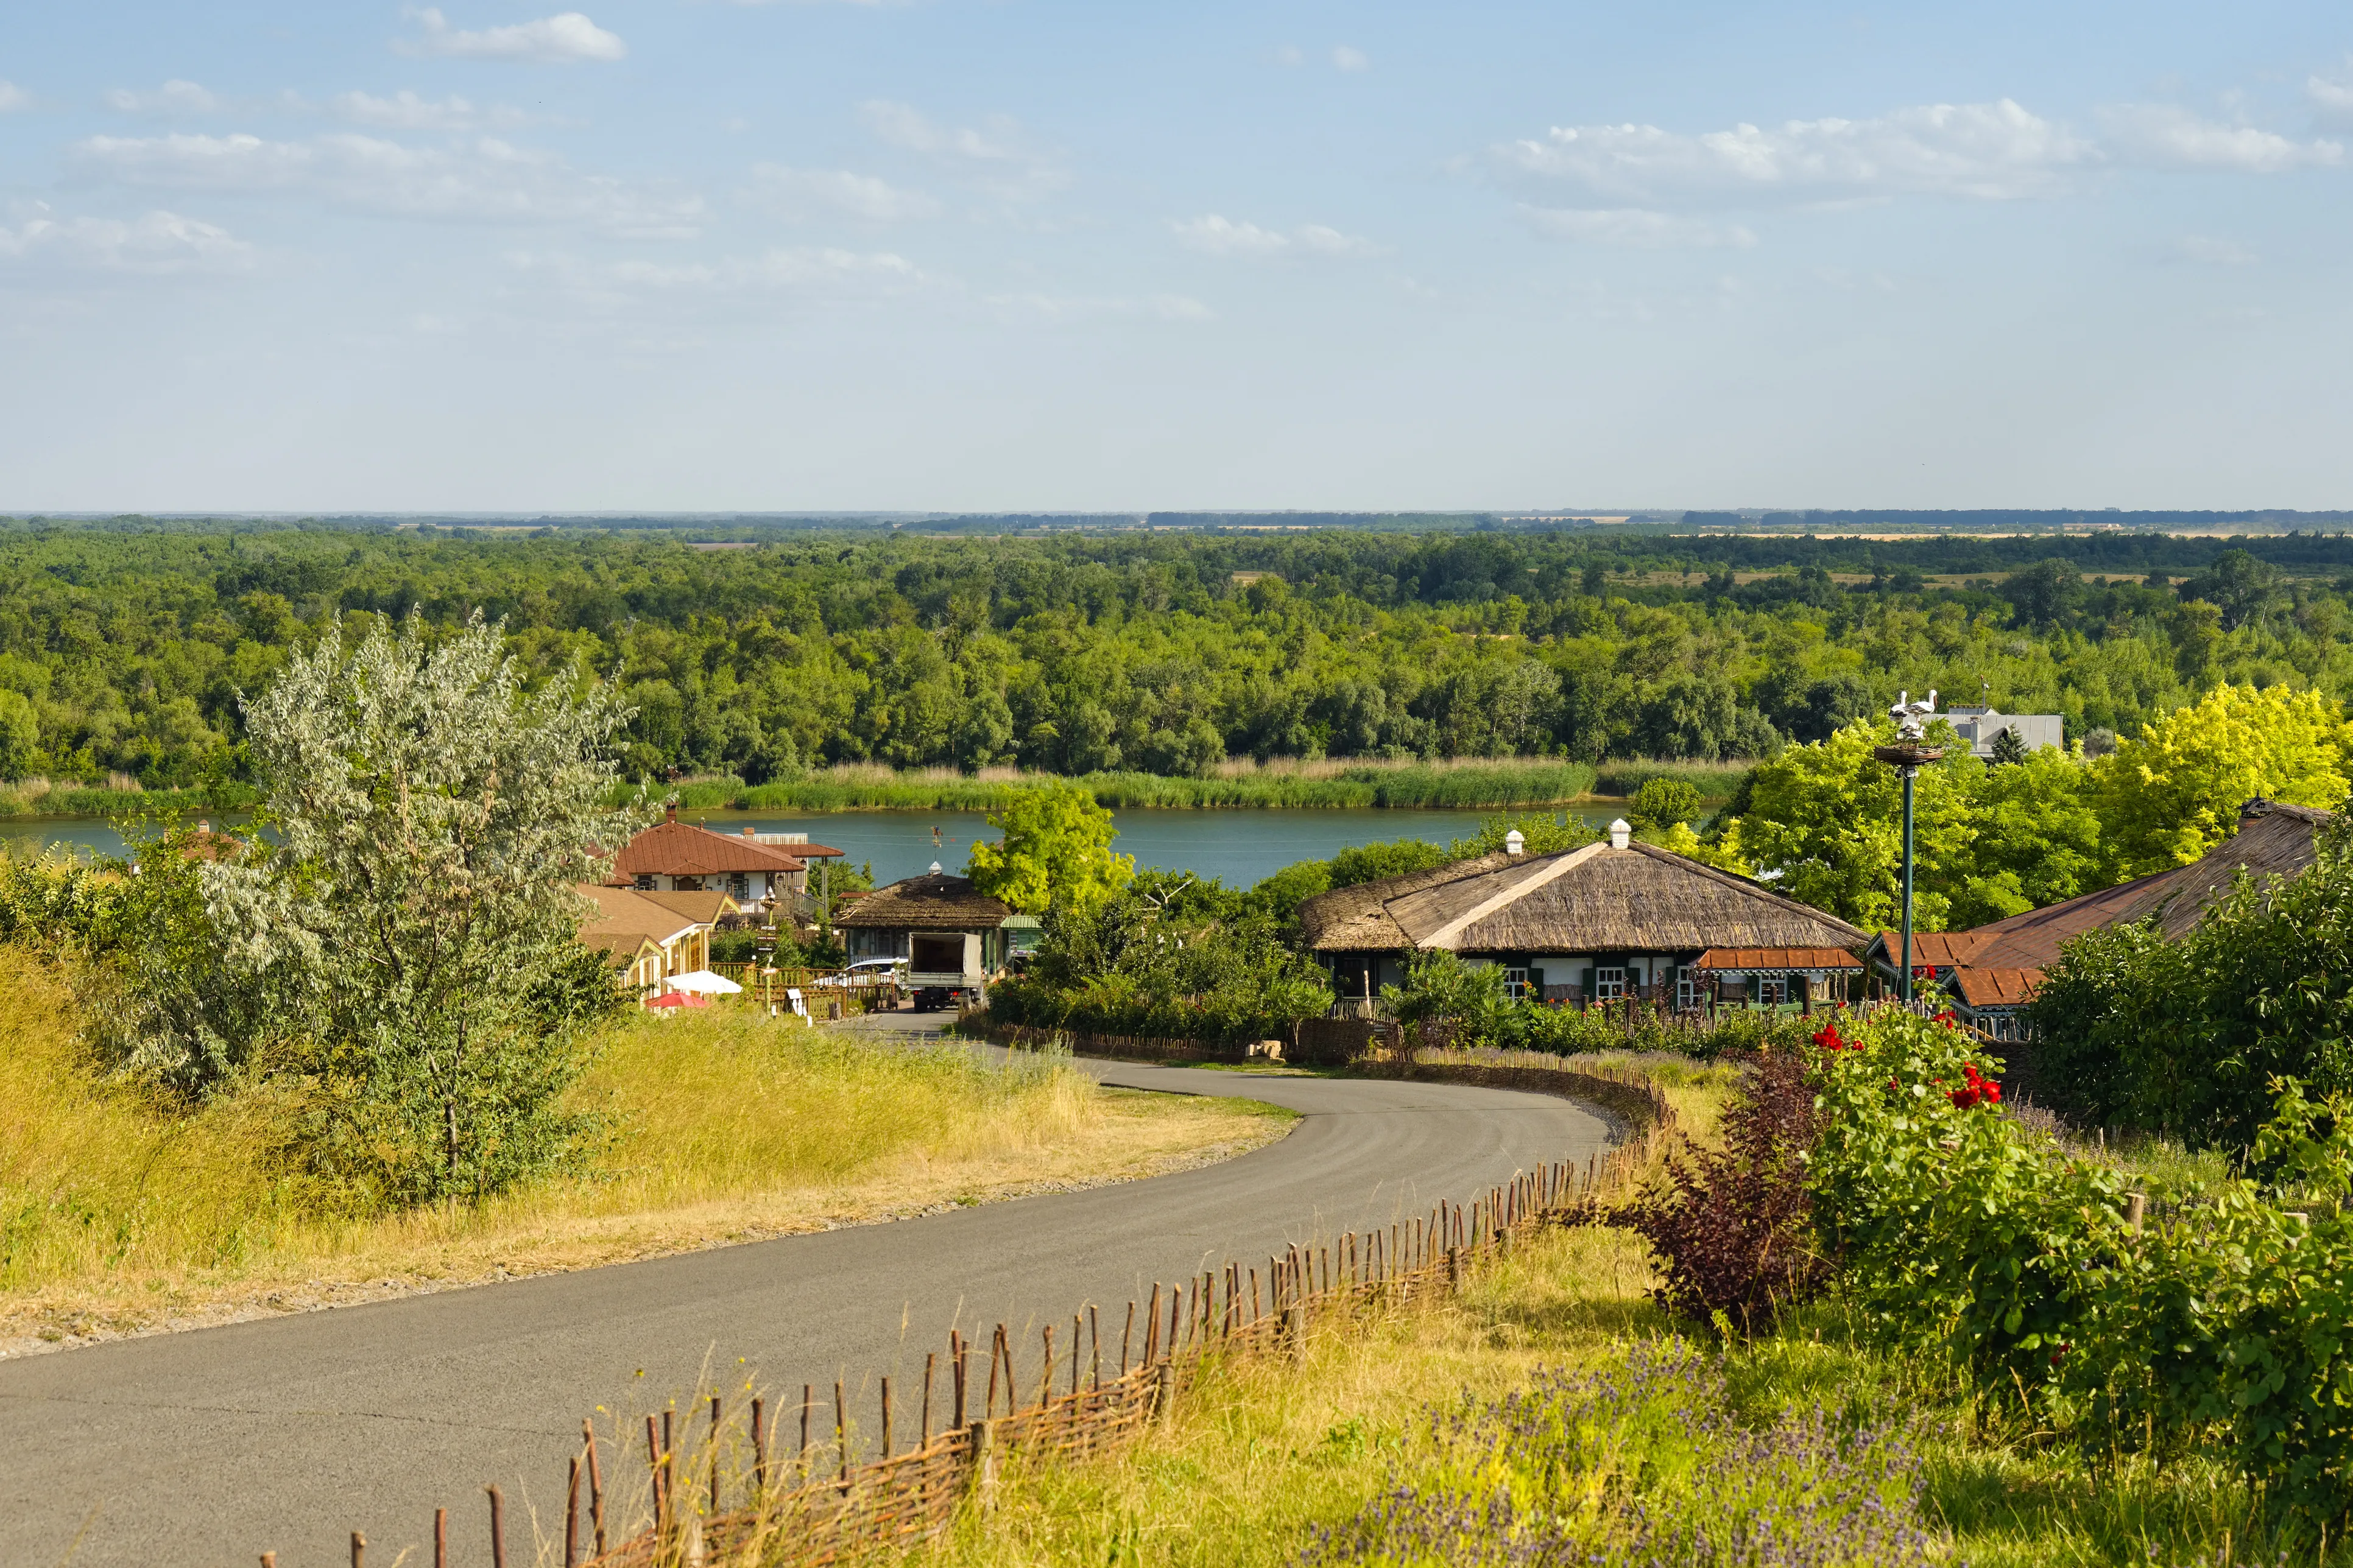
(1714, 781)
(118, 1207)
(1464, 784)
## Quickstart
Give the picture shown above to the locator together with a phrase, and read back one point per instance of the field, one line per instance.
(120, 1215)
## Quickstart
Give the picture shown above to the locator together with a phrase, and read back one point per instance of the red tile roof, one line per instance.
(1996, 987)
(1773, 958)
(676, 849)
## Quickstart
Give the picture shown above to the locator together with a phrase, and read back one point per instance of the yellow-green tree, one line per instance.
(1056, 852)
(2173, 792)
(1829, 818)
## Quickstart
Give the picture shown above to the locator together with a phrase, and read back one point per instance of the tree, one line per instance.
(2046, 593)
(1663, 803)
(425, 822)
(2173, 792)
(2242, 587)
(2008, 748)
(1056, 851)
(1829, 818)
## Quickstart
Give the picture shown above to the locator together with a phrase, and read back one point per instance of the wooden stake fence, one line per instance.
(815, 1505)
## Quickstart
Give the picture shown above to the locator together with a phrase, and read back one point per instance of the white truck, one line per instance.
(943, 968)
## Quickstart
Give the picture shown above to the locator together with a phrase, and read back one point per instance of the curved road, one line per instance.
(210, 1447)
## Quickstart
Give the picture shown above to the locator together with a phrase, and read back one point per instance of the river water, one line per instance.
(1237, 847)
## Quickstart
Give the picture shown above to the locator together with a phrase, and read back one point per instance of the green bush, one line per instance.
(2189, 1038)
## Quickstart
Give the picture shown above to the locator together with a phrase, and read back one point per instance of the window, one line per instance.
(645, 882)
(738, 885)
(1608, 984)
(1687, 993)
(1516, 983)
(1772, 990)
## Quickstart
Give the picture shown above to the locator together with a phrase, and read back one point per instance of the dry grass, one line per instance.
(119, 1214)
(1262, 1451)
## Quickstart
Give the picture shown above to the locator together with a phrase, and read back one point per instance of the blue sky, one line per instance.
(1000, 254)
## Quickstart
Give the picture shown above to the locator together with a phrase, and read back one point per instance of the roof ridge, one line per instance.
(1562, 864)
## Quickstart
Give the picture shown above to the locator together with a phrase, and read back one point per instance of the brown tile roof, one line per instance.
(704, 908)
(1996, 987)
(1772, 958)
(1640, 899)
(934, 901)
(675, 848)
(626, 919)
(1930, 948)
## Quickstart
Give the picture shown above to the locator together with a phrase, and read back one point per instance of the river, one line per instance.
(1237, 847)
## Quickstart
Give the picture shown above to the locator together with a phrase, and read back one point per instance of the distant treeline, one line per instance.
(122, 647)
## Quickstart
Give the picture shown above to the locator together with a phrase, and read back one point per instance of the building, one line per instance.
(1616, 919)
(653, 935)
(945, 917)
(1990, 972)
(1979, 726)
(765, 874)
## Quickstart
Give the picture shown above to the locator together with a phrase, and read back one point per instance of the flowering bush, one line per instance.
(1954, 1227)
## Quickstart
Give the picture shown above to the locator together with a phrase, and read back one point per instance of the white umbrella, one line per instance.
(702, 980)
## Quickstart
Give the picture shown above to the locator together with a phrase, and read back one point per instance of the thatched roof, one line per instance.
(1640, 899)
(933, 901)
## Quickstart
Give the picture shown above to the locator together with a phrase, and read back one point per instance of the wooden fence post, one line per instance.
(983, 1464)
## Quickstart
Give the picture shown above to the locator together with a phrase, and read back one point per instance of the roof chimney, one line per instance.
(936, 867)
(1618, 834)
(1515, 842)
(672, 809)
(749, 834)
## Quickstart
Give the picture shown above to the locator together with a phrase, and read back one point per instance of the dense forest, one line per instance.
(123, 648)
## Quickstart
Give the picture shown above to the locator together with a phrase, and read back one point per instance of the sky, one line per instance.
(1011, 254)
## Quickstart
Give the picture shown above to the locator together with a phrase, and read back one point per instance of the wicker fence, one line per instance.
(785, 1487)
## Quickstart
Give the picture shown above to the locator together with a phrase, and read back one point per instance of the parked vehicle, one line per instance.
(943, 969)
(866, 971)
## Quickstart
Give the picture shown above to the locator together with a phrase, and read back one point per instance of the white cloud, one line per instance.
(404, 110)
(2170, 137)
(998, 155)
(485, 180)
(1345, 59)
(1215, 235)
(1987, 151)
(1290, 55)
(798, 192)
(2332, 101)
(12, 98)
(171, 99)
(807, 272)
(1635, 228)
(155, 243)
(564, 39)
(2209, 251)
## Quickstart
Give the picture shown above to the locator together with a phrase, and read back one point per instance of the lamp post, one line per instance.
(1907, 756)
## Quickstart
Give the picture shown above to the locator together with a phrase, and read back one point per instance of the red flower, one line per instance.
(1979, 1090)
(1829, 1039)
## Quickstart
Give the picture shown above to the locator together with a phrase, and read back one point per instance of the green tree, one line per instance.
(1541, 834)
(426, 821)
(1829, 818)
(2008, 748)
(1662, 803)
(20, 734)
(1056, 852)
(2173, 792)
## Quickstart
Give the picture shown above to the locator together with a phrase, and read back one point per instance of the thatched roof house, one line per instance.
(884, 923)
(1991, 971)
(1609, 919)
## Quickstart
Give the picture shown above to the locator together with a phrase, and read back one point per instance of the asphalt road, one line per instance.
(287, 1433)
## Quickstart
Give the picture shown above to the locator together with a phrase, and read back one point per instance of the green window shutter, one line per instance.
(1535, 981)
(1584, 984)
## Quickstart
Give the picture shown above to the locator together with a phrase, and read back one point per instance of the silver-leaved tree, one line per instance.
(412, 896)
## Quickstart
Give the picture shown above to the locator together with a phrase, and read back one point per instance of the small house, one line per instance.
(1614, 920)
(1981, 726)
(765, 874)
(653, 935)
(942, 925)
(1990, 972)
